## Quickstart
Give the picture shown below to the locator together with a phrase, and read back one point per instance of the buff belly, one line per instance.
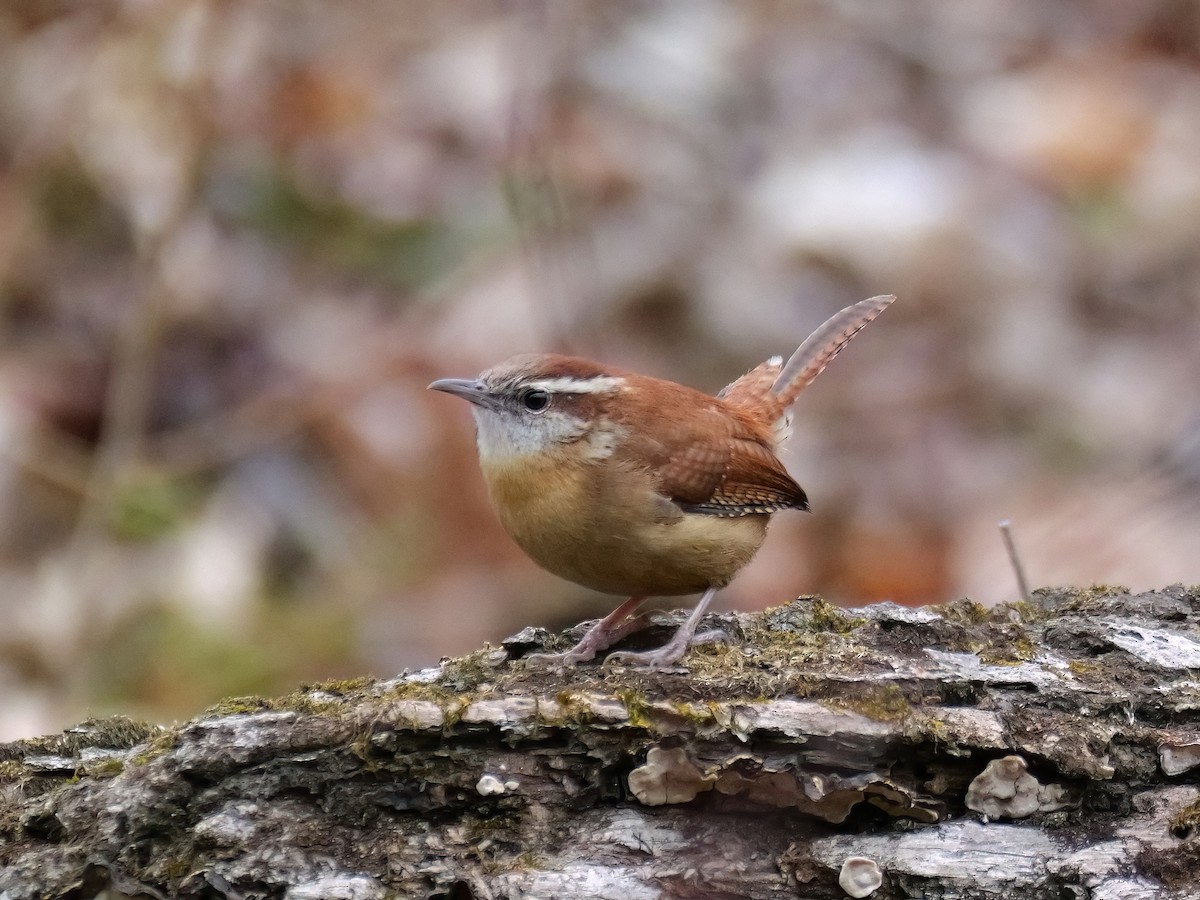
(619, 539)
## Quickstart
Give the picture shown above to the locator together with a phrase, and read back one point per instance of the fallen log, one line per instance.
(1048, 748)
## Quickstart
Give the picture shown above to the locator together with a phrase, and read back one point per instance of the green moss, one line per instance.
(883, 703)
(306, 704)
(936, 730)
(1016, 650)
(11, 770)
(523, 862)
(1105, 590)
(1023, 648)
(695, 713)
(637, 707)
(328, 698)
(1186, 822)
(1084, 668)
(344, 685)
(434, 692)
(238, 706)
(51, 745)
(105, 768)
(1057, 601)
(116, 733)
(119, 732)
(160, 745)
(806, 615)
(803, 685)
(965, 612)
(178, 867)
(786, 645)
(499, 823)
(827, 617)
(573, 710)
(1026, 613)
(468, 673)
(1084, 597)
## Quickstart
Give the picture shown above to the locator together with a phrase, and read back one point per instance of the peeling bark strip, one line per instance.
(1044, 749)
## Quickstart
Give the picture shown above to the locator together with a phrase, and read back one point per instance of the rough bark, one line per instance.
(1043, 749)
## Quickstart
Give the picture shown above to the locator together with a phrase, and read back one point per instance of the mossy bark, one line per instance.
(1043, 749)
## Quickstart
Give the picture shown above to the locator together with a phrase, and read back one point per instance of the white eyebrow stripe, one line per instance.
(600, 384)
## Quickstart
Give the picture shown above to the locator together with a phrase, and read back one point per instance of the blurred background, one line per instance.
(238, 239)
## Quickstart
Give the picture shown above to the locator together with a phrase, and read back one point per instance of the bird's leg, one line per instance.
(616, 625)
(672, 651)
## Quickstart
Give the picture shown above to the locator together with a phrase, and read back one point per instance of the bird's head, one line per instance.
(536, 403)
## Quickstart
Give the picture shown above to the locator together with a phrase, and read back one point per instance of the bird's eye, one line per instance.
(535, 400)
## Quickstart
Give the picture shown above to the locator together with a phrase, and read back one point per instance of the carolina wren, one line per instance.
(633, 485)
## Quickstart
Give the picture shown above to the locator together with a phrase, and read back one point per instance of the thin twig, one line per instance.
(1014, 558)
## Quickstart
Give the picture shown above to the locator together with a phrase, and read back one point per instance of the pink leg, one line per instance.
(672, 651)
(616, 625)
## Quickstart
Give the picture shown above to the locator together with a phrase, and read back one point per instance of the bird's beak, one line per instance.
(467, 388)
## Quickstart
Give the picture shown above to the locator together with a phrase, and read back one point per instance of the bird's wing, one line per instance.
(737, 475)
(716, 459)
(753, 481)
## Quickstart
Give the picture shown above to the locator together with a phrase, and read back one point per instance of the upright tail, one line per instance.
(772, 388)
(811, 357)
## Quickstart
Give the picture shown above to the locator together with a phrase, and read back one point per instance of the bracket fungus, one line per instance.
(668, 776)
(1005, 789)
(1177, 758)
(860, 876)
(490, 784)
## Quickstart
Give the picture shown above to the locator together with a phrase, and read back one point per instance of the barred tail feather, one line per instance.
(811, 357)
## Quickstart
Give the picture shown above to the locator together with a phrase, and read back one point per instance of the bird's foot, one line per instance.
(664, 657)
(602, 635)
(673, 650)
(669, 653)
(712, 636)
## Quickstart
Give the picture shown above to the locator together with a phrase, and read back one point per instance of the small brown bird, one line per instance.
(633, 485)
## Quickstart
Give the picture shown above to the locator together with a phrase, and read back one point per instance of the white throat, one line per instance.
(502, 435)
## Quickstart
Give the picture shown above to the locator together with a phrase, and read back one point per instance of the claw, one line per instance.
(602, 635)
(675, 649)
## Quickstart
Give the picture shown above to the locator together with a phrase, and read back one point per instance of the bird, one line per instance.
(634, 485)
